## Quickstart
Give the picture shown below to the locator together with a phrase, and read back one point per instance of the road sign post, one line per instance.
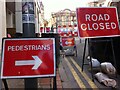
(28, 21)
(28, 18)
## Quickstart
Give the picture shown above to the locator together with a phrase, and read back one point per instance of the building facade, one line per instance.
(11, 17)
(2, 20)
(64, 19)
(108, 3)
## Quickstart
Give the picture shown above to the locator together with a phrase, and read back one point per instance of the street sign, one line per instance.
(68, 41)
(28, 57)
(97, 22)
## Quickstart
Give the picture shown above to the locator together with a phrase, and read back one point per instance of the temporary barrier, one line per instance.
(95, 23)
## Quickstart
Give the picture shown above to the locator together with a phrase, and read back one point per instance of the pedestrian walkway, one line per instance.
(48, 82)
(42, 83)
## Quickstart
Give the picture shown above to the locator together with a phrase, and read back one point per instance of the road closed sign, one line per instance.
(97, 22)
(28, 57)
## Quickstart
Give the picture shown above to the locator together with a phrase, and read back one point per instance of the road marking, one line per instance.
(78, 80)
(90, 82)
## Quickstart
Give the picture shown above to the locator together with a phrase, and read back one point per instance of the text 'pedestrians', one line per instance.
(28, 47)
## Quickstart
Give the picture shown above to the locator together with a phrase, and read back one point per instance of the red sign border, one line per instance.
(29, 76)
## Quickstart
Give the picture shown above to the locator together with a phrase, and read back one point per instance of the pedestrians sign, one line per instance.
(97, 22)
(28, 57)
(68, 41)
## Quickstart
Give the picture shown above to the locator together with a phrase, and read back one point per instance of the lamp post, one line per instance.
(57, 16)
(45, 24)
(44, 27)
(28, 18)
(28, 21)
(56, 27)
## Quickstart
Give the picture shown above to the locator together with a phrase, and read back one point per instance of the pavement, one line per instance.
(42, 83)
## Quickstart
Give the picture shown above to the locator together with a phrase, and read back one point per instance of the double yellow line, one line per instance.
(78, 80)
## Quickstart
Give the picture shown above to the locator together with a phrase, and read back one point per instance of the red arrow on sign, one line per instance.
(36, 62)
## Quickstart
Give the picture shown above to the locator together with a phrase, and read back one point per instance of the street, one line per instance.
(40, 45)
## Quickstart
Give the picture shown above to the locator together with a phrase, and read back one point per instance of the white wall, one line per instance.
(9, 17)
(2, 27)
(2, 20)
(18, 14)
